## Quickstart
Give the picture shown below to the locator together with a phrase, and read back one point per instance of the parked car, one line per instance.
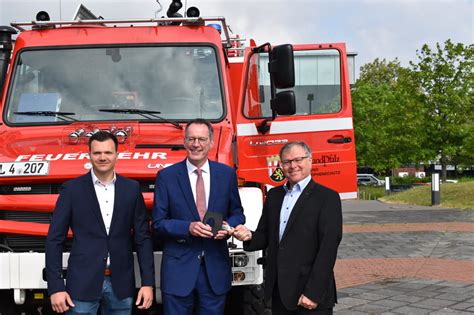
(369, 180)
(453, 181)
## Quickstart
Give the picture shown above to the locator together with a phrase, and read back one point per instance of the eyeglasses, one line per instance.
(297, 160)
(191, 140)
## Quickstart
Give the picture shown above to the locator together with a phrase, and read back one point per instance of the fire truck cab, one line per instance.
(143, 80)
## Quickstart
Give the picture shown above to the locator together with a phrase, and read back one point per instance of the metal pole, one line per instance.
(435, 193)
(387, 186)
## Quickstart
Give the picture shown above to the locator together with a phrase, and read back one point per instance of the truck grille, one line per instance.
(27, 243)
(27, 189)
(27, 216)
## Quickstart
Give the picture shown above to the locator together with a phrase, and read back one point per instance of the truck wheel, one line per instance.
(247, 300)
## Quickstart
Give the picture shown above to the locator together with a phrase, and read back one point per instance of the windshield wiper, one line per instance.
(60, 115)
(143, 113)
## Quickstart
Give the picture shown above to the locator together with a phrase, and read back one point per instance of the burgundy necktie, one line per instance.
(200, 194)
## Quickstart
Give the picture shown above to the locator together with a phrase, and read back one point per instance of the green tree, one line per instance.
(446, 78)
(387, 116)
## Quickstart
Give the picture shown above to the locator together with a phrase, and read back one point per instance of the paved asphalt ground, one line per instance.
(397, 259)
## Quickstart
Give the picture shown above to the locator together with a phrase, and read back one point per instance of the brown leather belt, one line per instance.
(107, 272)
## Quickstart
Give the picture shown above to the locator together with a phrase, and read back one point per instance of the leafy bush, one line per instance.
(407, 180)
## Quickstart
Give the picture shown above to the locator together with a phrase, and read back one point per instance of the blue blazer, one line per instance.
(78, 208)
(173, 211)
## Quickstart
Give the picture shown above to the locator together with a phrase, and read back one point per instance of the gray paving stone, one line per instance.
(351, 312)
(424, 281)
(435, 288)
(370, 296)
(455, 297)
(389, 303)
(457, 290)
(340, 307)
(412, 285)
(426, 294)
(352, 301)
(373, 286)
(353, 290)
(449, 311)
(435, 303)
(407, 295)
(426, 306)
(434, 244)
(454, 284)
(462, 306)
(353, 213)
(408, 298)
(372, 308)
(388, 292)
(411, 310)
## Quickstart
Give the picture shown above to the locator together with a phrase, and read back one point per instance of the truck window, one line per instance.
(181, 83)
(317, 84)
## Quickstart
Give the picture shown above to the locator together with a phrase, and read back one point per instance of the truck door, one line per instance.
(323, 119)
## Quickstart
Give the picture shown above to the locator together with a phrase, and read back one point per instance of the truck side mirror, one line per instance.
(282, 67)
(284, 103)
(6, 46)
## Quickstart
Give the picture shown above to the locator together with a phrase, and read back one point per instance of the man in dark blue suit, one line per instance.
(195, 270)
(107, 216)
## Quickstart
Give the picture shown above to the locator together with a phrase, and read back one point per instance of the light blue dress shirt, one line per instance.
(291, 197)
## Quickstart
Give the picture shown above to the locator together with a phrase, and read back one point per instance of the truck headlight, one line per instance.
(238, 276)
(240, 260)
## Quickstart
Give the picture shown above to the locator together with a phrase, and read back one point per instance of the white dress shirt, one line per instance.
(291, 197)
(206, 176)
(105, 195)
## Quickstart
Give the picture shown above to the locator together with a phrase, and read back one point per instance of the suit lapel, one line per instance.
(276, 210)
(118, 192)
(184, 183)
(214, 176)
(300, 203)
(92, 196)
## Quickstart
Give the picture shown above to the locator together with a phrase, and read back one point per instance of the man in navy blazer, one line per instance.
(300, 229)
(107, 216)
(195, 270)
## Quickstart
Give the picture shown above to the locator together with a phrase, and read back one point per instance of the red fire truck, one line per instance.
(143, 79)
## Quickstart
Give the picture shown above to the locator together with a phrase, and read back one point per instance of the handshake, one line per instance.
(240, 232)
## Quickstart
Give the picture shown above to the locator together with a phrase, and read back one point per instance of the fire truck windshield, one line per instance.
(180, 83)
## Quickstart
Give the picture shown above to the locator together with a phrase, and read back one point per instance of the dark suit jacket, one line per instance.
(174, 210)
(303, 261)
(78, 208)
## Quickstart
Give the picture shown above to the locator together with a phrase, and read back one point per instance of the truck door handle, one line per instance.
(340, 140)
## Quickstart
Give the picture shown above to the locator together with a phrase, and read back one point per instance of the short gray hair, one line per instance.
(287, 147)
(200, 121)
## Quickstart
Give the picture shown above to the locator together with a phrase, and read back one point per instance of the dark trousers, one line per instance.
(202, 299)
(279, 309)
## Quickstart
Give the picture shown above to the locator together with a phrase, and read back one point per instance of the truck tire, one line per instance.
(247, 300)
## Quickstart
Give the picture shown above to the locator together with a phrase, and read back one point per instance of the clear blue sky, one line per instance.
(372, 28)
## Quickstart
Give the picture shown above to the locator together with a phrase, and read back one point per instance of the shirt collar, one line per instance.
(96, 180)
(299, 186)
(191, 167)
